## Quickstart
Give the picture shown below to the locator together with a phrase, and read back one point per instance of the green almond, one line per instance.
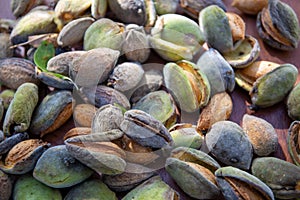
(28, 187)
(274, 86)
(215, 27)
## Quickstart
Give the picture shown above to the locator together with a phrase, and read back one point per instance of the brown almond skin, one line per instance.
(218, 109)
(237, 26)
(77, 131)
(62, 118)
(262, 135)
(250, 7)
(83, 114)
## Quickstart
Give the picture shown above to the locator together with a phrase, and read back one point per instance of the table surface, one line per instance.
(276, 115)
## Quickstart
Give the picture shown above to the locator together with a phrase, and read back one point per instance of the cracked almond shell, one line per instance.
(54, 110)
(97, 152)
(175, 37)
(293, 141)
(235, 183)
(245, 77)
(23, 156)
(193, 90)
(145, 129)
(245, 54)
(186, 135)
(217, 70)
(135, 152)
(278, 26)
(160, 105)
(19, 113)
(191, 168)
